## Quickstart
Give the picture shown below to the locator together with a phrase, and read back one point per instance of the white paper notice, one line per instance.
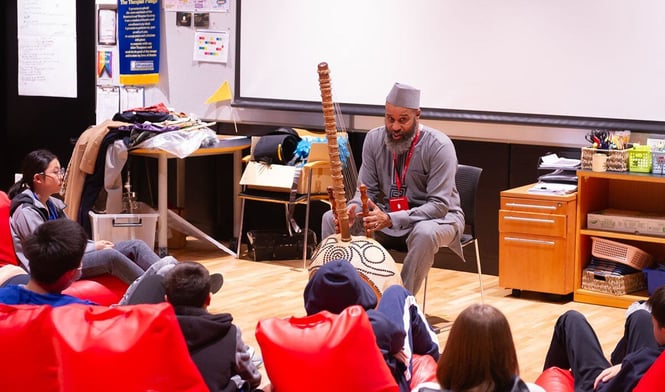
(46, 17)
(211, 46)
(47, 48)
(108, 102)
(47, 66)
(131, 97)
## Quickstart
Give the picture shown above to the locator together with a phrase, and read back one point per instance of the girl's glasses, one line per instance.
(57, 173)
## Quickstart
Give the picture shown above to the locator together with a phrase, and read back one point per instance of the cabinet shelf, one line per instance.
(617, 301)
(627, 191)
(623, 236)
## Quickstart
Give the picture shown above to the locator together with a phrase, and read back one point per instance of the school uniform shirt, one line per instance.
(19, 295)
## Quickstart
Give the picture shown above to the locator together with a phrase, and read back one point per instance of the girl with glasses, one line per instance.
(32, 203)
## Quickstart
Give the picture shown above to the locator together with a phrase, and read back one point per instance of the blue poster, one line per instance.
(138, 41)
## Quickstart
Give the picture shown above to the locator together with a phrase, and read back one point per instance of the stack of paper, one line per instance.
(553, 161)
(553, 188)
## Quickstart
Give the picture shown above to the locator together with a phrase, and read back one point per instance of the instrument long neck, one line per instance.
(333, 152)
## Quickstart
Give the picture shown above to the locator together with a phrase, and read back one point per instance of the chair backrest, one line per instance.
(466, 181)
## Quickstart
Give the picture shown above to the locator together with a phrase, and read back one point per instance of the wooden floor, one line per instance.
(256, 290)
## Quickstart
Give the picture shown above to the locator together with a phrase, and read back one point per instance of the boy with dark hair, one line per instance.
(214, 342)
(575, 346)
(55, 250)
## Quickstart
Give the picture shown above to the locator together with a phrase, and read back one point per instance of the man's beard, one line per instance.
(404, 143)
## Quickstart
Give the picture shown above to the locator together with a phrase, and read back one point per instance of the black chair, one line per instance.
(466, 180)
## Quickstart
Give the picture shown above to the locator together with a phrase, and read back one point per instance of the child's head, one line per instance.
(189, 284)
(657, 303)
(54, 251)
(479, 351)
(41, 166)
(335, 286)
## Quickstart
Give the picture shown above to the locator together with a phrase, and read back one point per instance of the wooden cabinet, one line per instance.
(537, 241)
(627, 191)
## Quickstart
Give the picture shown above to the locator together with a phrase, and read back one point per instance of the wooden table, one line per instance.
(225, 145)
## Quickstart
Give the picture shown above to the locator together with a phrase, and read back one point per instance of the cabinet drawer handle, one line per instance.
(529, 240)
(531, 206)
(516, 218)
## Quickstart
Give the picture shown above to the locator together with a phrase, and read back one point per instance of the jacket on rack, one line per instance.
(82, 163)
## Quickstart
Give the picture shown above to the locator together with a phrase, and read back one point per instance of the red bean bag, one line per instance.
(7, 254)
(654, 378)
(26, 333)
(555, 379)
(324, 352)
(423, 370)
(94, 348)
(104, 290)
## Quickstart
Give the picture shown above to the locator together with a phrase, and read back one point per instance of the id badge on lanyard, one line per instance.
(401, 203)
(398, 203)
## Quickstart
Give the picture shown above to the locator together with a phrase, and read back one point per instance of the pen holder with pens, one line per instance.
(617, 160)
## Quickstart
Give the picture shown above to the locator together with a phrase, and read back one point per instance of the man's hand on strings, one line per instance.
(376, 219)
(351, 212)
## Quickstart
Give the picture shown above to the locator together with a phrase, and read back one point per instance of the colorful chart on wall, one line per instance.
(211, 46)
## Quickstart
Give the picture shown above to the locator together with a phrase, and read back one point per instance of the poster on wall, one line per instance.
(211, 46)
(138, 41)
(46, 34)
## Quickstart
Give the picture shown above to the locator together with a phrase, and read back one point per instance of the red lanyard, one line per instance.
(406, 164)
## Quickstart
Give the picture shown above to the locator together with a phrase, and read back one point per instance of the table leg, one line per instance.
(180, 184)
(162, 205)
(237, 173)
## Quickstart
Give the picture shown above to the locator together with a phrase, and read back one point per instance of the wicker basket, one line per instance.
(620, 253)
(613, 284)
(617, 160)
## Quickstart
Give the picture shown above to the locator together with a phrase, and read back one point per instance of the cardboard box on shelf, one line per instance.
(627, 221)
(279, 178)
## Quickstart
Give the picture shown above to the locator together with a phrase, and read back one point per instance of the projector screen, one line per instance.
(594, 63)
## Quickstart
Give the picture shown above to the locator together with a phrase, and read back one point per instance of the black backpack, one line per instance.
(277, 146)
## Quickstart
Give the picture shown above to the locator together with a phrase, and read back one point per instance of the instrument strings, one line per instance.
(349, 169)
